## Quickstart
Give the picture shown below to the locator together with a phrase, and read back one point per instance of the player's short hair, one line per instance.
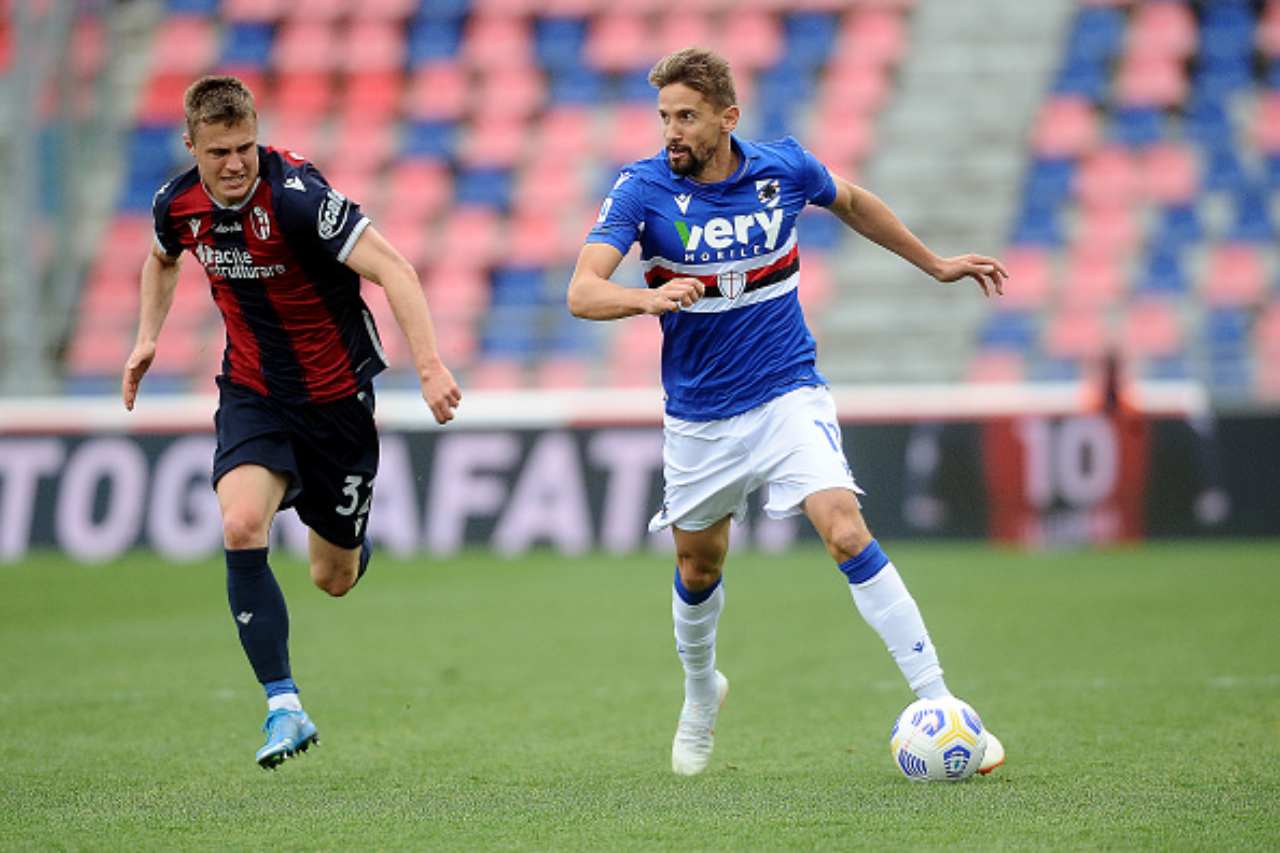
(217, 100)
(704, 71)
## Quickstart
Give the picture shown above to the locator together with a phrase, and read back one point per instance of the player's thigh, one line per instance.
(804, 452)
(248, 497)
(837, 517)
(700, 554)
(337, 449)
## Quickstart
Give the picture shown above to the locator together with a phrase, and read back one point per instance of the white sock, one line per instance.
(288, 701)
(887, 606)
(695, 626)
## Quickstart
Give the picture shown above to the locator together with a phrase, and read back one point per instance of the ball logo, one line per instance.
(261, 223)
(333, 215)
(955, 760)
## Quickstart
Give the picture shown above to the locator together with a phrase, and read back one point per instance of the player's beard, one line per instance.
(692, 165)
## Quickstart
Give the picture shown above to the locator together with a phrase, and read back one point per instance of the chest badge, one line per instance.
(261, 223)
(769, 192)
(731, 284)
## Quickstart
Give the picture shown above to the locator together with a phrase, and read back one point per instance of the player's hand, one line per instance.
(134, 369)
(674, 295)
(989, 273)
(441, 393)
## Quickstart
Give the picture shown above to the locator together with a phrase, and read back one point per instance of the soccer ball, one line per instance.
(938, 740)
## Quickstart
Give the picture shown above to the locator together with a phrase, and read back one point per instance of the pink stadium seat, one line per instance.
(496, 374)
(418, 189)
(1108, 229)
(363, 142)
(1170, 173)
(376, 94)
(456, 291)
(634, 132)
(360, 183)
(1151, 329)
(1163, 29)
(258, 83)
(1108, 176)
(89, 47)
(872, 36)
(252, 10)
(316, 10)
(471, 235)
(1269, 30)
(412, 236)
(636, 354)
(620, 41)
(437, 91)
(681, 28)
(300, 134)
(505, 7)
(372, 45)
(492, 41)
(1235, 276)
(1151, 81)
(565, 133)
(1092, 278)
(1079, 332)
(816, 285)
(387, 10)
(184, 44)
(494, 140)
(562, 374)
(161, 98)
(751, 40)
(1066, 126)
(304, 94)
(6, 47)
(1266, 122)
(533, 240)
(1030, 277)
(1267, 352)
(508, 91)
(988, 366)
(552, 184)
(842, 137)
(99, 350)
(851, 86)
(306, 45)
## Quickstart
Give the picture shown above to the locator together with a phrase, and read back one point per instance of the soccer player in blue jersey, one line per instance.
(745, 404)
(284, 253)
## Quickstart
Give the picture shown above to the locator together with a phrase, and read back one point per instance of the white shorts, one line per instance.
(791, 443)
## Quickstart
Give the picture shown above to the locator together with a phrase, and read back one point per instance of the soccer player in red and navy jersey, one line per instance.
(284, 253)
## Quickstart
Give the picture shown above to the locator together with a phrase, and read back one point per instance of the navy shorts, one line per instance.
(329, 452)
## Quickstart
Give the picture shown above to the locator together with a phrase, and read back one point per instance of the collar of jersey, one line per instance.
(234, 207)
(746, 153)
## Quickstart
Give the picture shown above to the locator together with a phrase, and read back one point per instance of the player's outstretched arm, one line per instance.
(375, 259)
(865, 213)
(159, 280)
(592, 296)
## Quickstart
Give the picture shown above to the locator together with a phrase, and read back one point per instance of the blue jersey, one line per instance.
(745, 342)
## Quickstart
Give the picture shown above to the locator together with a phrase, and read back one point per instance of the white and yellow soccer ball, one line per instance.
(938, 740)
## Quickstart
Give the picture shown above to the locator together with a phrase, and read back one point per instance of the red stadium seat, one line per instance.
(634, 133)
(1151, 81)
(565, 133)
(1164, 30)
(620, 41)
(682, 27)
(990, 366)
(494, 140)
(551, 184)
(496, 374)
(533, 240)
(411, 236)
(300, 134)
(1092, 278)
(511, 91)
(418, 189)
(363, 142)
(842, 137)
(751, 40)
(471, 235)
(1170, 173)
(1266, 122)
(1108, 229)
(562, 374)
(1269, 31)
(1066, 126)
(360, 183)
(99, 350)
(184, 44)
(305, 45)
(235, 11)
(6, 47)
(304, 95)
(491, 41)
(1234, 276)
(1030, 277)
(1151, 329)
(850, 86)
(372, 45)
(376, 94)
(1076, 333)
(872, 36)
(816, 285)
(1108, 176)
(161, 98)
(456, 291)
(437, 91)
(388, 10)
(316, 10)
(89, 48)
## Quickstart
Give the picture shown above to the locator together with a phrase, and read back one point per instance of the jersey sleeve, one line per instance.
(621, 215)
(819, 187)
(316, 214)
(166, 235)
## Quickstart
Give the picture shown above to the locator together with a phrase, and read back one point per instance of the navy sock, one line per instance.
(261, 617)
(366, 551)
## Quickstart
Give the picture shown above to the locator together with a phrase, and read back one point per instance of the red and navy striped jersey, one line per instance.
(746, 341)
(297, 328)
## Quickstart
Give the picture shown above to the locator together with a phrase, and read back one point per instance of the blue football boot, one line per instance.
(288, 733)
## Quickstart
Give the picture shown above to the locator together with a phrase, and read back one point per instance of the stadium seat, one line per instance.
(436, 91)
(550, 185)
(1076, 333)
(1096, 36)
(1222, 170)
(1030, 277)
(1136, 127)
(562, 373)
(1166, 29)
(428, 139)
(534, 239)
(500, 373)
(1251, 219)
(853, 87)
(817, 287)
(1226, 31)
(251, 11)
(1234, 276)
(304, 94)
(373, 94)
(1107, 229)
(508, 91)
(633, 133)
(1151, 329)
(184, 45)
(1037, 224)
(457, 291)
(995, 366)
(1170, 173)
(1049, 181)
(1177, 225)
(307, 45)
(1151, 81)
(372, 45)
(620, 41)
(411, 236)
(494, 141)
(1268, 36)
(871, 35)
(247, 43)
(558, 42)
(493, 41)
(161, 98)
(299, 134)
(1091, 277)
(1066, 126)
(680, 28)
(1266, 122)
(751, 40)
(576, 87)
(1009, 330)
(1267, 352)
(566, 133)
(363, 142)
(1163, 272)
(433, 40)
(472, 235)
(1108, 176)
(418, 188)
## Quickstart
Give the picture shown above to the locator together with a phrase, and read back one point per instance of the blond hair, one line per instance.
(217, 100)
(704, 71)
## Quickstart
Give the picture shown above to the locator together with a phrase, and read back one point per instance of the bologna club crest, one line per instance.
(261, 223)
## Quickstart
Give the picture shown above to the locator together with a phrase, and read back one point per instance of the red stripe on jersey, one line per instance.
(244, 362)
(659, 275)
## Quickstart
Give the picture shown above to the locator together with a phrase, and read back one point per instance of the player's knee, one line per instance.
(244, 528)
(698, 571)
(847, 539)
(333, 580)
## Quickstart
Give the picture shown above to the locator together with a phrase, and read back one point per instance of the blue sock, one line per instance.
(694, 598)
(866, 565)
(261, 617)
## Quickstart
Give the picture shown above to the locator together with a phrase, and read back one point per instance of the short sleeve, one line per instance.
(166, 236)
(819, 187)
(316, 214)
(621, 215)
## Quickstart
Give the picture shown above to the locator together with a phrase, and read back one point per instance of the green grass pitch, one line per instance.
(476, 703)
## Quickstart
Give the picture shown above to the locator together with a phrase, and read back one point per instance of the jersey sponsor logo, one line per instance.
(261, 223)
(682, 202)
(769, 191)
(293, 182)
(722, 238)
(332, 215)
(233, 262)
(232, 227)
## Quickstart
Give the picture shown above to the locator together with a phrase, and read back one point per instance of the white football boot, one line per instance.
(695, 733)
(994, 755)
